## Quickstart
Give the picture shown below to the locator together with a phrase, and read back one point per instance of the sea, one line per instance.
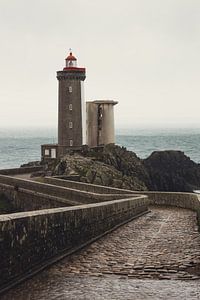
(22, 145)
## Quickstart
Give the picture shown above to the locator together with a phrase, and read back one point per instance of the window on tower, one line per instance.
(70, 89)
(70, 107)
(70, 124)
(71, 143)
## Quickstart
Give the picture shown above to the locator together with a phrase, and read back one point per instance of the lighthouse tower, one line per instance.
(71, 106)
(72, 120)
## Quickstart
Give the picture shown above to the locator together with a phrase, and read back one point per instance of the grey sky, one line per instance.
(144, 54)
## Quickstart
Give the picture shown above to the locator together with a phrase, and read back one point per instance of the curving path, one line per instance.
(154, 257)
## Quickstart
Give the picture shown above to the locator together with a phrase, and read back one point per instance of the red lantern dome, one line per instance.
(71, 61)
(71, 57)
(71, 64)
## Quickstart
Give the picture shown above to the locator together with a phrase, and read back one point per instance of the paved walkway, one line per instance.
(164, 244)
(141, 260)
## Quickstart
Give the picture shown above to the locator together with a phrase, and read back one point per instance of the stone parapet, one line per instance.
(88, 187)
(177, 199)
(67, 193)
(22, 170)
(72, 74)
(32, 240)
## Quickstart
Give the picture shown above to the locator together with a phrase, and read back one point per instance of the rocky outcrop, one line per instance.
(117, 167)
(91, 170)
(172, 171)
(127, 162)
(36, 163)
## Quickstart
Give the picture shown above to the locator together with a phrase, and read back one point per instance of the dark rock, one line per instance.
(115, 166)
(125, 161)
(31, 164)
(172, 171)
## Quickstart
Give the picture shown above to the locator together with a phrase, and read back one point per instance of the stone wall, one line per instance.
(32, 240)
(18, 171)
(88, 187)
(27, 200)
(182, 200)
(71, 195)
(29, 241)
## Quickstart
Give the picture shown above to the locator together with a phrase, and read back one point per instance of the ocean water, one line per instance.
(18, 146)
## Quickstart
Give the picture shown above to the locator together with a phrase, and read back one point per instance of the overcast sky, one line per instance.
(143, 53)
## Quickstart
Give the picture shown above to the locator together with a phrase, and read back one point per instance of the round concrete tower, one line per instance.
(100, 122)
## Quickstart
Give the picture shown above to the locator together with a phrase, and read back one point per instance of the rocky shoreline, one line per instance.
(115, 166)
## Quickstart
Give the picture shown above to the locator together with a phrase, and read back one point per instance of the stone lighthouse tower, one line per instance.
(71, 106)
(75, 129)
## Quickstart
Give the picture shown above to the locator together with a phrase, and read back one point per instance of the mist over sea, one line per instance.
(18, 146)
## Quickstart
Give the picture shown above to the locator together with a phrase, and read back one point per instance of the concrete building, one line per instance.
(100, 122)
(75, 128)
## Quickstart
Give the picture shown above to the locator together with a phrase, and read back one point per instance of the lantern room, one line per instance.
(71, 61)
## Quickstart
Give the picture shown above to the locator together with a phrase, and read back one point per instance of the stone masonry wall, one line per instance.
(88, 187)
(18, 171)
(30, 241)
(183, 200)
(177, 199)
(70, 194)
(27, 200)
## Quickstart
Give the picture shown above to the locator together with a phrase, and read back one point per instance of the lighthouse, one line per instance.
(71, 106)
(78, 126)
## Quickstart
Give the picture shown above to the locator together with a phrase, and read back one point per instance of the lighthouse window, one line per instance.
(70, 89)
(70, 124)
(70, 107)
(71, 143)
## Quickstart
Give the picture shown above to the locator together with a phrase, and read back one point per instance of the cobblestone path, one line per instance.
(164, 244)
(140, 260)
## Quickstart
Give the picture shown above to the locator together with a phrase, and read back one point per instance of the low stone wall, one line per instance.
(23, 170)
(70, 194)
(32, 240)
(88, 187)
(183, 200)
(32, 200)
(28, 200)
